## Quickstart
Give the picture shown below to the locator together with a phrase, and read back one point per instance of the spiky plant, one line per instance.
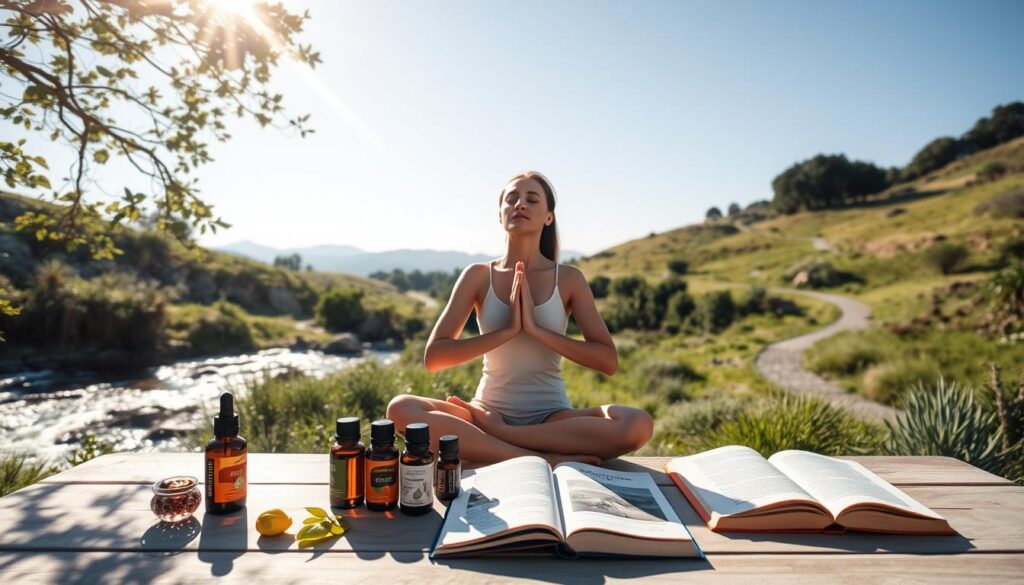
(945, 419)
(786, 421)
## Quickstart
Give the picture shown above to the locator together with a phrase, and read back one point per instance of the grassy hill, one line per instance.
(925, 324)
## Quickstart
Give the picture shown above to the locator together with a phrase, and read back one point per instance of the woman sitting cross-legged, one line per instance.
(520, 406)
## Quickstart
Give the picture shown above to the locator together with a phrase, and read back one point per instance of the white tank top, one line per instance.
(522, 377)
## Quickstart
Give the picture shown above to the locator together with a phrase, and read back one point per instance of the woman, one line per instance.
(521, 407)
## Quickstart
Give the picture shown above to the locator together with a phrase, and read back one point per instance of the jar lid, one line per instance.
(417, 434)
(177, 484)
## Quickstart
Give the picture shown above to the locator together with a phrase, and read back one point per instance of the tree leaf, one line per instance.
(101, 156)
(318, 512)
(311, 520)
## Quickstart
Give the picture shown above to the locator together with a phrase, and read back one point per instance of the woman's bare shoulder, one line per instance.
(572, 276)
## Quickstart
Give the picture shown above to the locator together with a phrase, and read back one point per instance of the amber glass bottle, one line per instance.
(448, 470)
(226, 462)
(381, 483)
(415, 494)
(347, 454)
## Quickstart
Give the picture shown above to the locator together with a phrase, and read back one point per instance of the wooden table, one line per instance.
(93, 524)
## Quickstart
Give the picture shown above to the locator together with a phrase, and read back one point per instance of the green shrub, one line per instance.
(18, 470)
(224, 329)
(946, 256)
(945, 419)
(884, 382)
(341, 309)
(1012, 249)
(814, 273)
(992, 170)
(845, 353)
(1009, 204)
(786, 421)
(380, 323)
(754, 301)
(716, 311)
(678, 266)
(1006, 289)
(683, 427)
(115, 310)
(599, 286)
(680, 307)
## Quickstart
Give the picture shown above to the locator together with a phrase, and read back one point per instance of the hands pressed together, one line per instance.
(520, 304)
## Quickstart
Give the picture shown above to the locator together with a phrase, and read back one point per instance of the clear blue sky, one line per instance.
(643, 114)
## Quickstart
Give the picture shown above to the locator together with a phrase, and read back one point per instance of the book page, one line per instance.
(616, 501)
(839, 484)
(732, 480)
(501, 498)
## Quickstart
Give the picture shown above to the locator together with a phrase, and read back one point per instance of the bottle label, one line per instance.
(381, 481)
(415, 483)
(228, 478)
(340, 488)
(447, 481)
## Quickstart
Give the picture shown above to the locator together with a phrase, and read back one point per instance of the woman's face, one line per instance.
(524, 208)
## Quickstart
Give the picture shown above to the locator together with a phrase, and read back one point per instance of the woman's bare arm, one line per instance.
(597, 351)
(444, 348)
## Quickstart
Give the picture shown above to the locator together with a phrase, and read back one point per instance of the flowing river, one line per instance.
(48, 413)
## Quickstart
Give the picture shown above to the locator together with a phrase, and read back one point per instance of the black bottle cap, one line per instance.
(225, 424)
(417, 434)
(382, 431)
(448, 445)
(347, 428)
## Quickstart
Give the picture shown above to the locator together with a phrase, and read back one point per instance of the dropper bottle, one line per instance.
(226, 462)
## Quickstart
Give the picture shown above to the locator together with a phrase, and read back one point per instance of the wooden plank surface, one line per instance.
(302, 468)
(105, 517)
(415, 569)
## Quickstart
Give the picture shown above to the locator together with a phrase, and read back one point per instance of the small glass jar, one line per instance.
(175, 498)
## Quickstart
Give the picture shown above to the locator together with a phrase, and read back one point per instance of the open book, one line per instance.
(736, 489)
(575, 510)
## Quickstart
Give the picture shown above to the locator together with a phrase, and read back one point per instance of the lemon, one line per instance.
(273, 522)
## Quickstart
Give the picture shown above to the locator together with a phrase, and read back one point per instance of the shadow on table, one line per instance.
(862, 542)
(407, 539)
(170, 538)
(552, 569)
(222, 540)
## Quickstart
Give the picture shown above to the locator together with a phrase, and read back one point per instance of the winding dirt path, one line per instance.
(782, 362)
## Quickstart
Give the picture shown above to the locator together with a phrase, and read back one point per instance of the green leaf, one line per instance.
(101, 156)
(337, 530)
(312, 520)
(104, 71)
(318, 512)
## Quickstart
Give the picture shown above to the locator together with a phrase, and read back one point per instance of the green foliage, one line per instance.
(341, 310)
(684, 427)
(380, 323)
(734, 209)
(219, 66)
(815, 273)
(1008, 204)
(945, 419)
(1013, 248)
(788, 421)
(289, 262)
(886, 381)
(992, 170)
(223, 330)
(678, 266)
(946, 257)
(716, 311)
(114, 310)
(437, 283)
(825, 181)
(90, 448)
(18, 470)
(599, 286)
(845, 353)
(1006, 289)
(296, 414)
(1005, 124)
(713, 214)
(935, 155)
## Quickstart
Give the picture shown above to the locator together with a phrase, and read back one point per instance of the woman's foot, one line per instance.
(555, 458)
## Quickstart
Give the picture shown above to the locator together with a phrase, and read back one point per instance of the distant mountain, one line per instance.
(352, 260)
